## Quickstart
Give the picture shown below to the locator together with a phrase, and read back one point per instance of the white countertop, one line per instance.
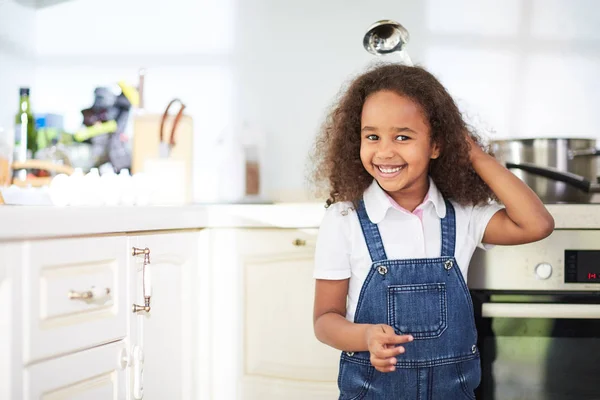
(31, 222)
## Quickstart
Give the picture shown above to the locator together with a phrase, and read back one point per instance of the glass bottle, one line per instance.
(25, 132)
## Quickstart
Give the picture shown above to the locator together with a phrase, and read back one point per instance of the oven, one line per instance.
(537, 313)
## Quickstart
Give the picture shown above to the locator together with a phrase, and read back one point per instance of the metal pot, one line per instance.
(558, 170)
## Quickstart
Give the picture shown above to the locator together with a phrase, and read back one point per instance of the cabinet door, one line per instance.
(163, 339)
(73, 295)
(10, 313)
(280, 357)
(5, 324)
(95, 374)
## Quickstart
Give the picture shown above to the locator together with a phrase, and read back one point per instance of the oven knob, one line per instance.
(543, 270)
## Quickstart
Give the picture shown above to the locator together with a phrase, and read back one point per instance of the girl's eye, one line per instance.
(372, 137)
(402, 138)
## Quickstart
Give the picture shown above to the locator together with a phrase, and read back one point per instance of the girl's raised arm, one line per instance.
(525, 218)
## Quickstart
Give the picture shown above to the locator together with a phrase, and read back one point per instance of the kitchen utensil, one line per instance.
(166, 146)
(559, 170)
(140, 88)
(385, 36)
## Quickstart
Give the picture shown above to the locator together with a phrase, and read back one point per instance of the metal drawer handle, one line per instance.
(89, 295)
(146, 279)
(299, 242)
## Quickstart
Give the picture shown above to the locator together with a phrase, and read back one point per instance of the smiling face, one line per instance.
(395, 146)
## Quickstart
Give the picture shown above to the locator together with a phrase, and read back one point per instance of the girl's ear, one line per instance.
(435, 151)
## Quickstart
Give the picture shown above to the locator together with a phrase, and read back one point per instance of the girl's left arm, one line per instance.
(525, 219)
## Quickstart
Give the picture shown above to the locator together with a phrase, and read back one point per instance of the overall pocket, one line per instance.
(354, 380)
(419, 310)
(469, 374)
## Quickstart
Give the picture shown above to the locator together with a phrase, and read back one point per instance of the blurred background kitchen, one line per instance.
(243, 86)
(256, 76)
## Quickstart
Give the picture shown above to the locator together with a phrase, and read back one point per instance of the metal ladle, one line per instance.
(385, 37)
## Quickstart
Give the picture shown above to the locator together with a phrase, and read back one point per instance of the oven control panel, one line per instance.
(567, 260)
(582, 266)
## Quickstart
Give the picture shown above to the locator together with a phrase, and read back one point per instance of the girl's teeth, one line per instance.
(389, 170)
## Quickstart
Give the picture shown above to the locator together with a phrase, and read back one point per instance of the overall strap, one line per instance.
(371, 234)
(448, 231)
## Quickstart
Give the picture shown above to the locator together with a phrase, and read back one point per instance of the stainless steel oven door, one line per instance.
(538, 346)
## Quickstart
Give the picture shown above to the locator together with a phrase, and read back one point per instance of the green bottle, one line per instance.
(25, 132)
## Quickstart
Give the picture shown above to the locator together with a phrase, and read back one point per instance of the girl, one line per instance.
(410, 198)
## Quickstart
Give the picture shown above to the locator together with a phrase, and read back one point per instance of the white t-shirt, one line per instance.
(341, 250)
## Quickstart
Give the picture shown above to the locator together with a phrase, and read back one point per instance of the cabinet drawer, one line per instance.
(95, 374)
(74, 295)
(276, 242)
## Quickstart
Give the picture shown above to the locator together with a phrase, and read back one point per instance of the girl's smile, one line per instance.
(387, 171)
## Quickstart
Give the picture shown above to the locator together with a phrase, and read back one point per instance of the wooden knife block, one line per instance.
(146, 141)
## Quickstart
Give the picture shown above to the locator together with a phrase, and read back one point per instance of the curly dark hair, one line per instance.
(338, 169)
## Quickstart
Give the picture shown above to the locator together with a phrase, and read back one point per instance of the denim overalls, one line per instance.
(424, 297)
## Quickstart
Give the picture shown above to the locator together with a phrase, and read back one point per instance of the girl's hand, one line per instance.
(474, 148)
(525, 219)
(381, 342)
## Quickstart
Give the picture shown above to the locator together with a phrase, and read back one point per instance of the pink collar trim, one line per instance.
(418, 211)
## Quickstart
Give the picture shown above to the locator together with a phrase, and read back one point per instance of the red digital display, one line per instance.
(582, 266)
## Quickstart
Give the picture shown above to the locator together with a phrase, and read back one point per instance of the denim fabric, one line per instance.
(427, 298)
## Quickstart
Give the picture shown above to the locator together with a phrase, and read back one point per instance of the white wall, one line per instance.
(527, 68)
(17, 51)
(516, 67)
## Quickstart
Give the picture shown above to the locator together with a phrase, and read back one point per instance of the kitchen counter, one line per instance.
(30, 222)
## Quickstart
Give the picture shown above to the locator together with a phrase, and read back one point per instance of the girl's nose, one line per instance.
(385, 150)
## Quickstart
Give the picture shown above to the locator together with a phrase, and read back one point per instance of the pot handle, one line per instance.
(591, 152)
(552, 173)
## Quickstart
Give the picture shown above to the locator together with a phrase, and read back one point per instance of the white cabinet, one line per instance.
(165, 336)
(278, 356)
(10, 310)
(68, 330)
(230, 317)
(5, 323)
(94, 374)
(75, 296)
